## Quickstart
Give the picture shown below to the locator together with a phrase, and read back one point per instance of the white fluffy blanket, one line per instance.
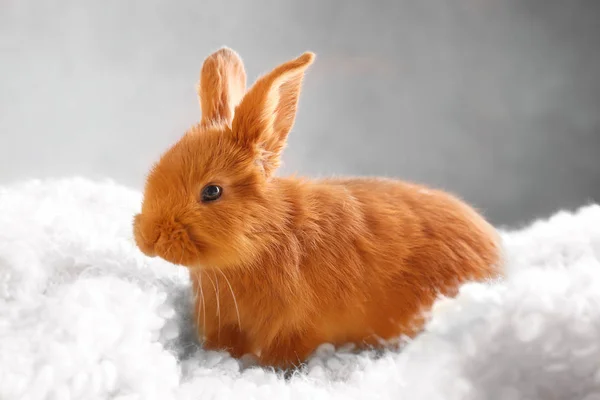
(84, 315)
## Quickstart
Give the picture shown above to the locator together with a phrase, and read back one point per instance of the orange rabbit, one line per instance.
(281, 265)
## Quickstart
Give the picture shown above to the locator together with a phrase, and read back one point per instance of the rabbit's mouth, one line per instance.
(177, 248)
(167, 239)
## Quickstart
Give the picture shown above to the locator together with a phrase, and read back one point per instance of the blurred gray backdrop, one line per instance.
(495, 100)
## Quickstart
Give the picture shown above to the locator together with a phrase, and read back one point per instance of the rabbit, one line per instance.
(281, 265)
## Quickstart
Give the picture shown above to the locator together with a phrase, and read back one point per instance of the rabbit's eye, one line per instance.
(211, 193)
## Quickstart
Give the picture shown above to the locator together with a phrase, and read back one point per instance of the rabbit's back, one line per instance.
(387, 250)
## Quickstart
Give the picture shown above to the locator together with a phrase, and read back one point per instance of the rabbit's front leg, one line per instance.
(229, 338)
(288, 350)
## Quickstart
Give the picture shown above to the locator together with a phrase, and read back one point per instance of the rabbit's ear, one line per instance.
(267, 112)
(221, 87)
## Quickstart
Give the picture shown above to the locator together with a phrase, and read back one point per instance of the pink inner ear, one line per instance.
(259, 162)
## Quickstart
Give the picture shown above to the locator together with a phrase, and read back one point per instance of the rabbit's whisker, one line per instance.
(234, 300)
(199, 275)
(218, 311)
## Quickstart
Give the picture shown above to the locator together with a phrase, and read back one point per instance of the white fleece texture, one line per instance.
(84, 315)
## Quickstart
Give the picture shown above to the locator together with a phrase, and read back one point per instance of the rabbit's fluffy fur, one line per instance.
(281, 265)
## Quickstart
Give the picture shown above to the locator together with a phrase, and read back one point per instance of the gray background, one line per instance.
(495, 100)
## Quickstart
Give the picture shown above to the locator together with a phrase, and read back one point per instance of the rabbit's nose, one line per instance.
(174, 243)
(165, 237)
(145, 235)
